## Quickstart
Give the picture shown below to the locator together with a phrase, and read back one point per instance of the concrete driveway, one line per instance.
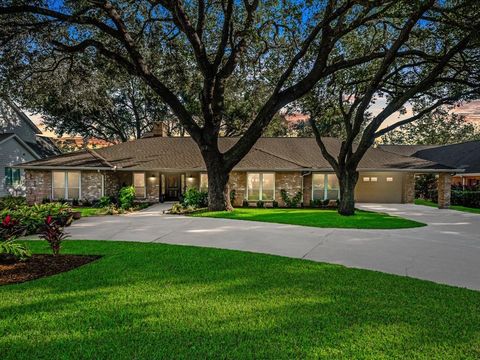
(446, 251)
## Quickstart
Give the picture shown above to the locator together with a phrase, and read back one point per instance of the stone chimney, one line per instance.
(159, 129)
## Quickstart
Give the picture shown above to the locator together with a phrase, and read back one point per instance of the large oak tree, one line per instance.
(192, 53)
(441, 68)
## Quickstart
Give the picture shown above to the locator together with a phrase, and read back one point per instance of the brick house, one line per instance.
(163, 168)
(464, 156)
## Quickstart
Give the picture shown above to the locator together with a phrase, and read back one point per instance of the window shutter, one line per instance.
(8, 176)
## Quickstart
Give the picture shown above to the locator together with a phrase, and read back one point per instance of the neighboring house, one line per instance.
(464, 156)
(20, 141)
(162, 168)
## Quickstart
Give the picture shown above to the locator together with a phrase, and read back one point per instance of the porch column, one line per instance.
(444, 190)
(408, 196)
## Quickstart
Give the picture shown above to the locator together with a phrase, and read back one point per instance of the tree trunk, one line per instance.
(348, 180)
(218, 189)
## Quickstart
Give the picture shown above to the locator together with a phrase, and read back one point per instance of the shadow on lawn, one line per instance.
(161, 301)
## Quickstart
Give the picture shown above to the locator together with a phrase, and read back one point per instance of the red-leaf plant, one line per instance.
(54, 234)
(10, 229)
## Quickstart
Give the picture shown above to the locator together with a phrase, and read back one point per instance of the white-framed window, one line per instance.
(389, 179)
(260, 186)
(203, 182)
(366, 179)
(374, 179)
(325, 186)
(66, 185)
(139, 184)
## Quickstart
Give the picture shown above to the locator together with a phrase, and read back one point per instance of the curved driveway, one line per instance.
(446, 251)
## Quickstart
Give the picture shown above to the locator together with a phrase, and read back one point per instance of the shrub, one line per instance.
(466, 198)
(104, 201)
(291, 202)
(46, 200)
(245, 203)
(316, 203)
(10, 228)
(54, 233)
(178, 208)
(12, 251)
(260, 204)
(275, 203)
(12, 202)
(75, 202)
(126, 197)
(86, 202)
(196, 199)
(32, 217)
(232, 196)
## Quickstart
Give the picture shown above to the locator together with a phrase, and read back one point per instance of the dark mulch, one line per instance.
(40, 265)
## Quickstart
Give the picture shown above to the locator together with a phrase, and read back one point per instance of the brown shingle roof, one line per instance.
(181, 153)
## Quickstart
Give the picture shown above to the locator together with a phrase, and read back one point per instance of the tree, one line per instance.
(442, 67)
(438, 128)
(193, 53)
(93, 102)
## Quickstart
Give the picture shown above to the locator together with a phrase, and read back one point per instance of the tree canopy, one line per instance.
(207, 59)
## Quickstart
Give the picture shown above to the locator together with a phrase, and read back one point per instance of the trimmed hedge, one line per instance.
(466, 198)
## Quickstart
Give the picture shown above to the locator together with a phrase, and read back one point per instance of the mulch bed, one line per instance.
(40, 265)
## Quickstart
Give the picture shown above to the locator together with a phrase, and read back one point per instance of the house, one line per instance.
(162, 168)
(464, 156)
(20, 141)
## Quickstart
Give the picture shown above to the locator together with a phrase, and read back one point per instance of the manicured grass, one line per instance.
(90, 211)
(316, 218)
(154, 301)
(452, 207)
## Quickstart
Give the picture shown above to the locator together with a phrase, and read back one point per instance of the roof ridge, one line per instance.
(100, 157)
(280, 157)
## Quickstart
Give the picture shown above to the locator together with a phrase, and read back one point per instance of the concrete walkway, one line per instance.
(446, 251)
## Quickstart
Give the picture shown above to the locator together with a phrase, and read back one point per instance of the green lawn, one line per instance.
(90, 211)
(316, 218)
(153, 301)
(453, 207)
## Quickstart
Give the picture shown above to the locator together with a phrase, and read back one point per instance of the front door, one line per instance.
(173, 191)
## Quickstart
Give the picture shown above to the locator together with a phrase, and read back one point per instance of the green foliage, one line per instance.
(426, 187)
(467, 198)
(11, 249)
(275, 204)
(245, 203)
(232, 196)
(32, 217)
(316, 203)
(291, 202)
(179, 208)
(195, 198)
(104, 201)
(126, 197)
(260, 204)
(12, 202)
(439, 128)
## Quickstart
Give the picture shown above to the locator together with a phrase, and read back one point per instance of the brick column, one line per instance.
(444, 190)
(408, 195)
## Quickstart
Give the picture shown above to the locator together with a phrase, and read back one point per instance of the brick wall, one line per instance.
(91, 185)
(408, 191)
(153, 186)
(38, 185)
(238, 182)
(289, 181)
(444, 190)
